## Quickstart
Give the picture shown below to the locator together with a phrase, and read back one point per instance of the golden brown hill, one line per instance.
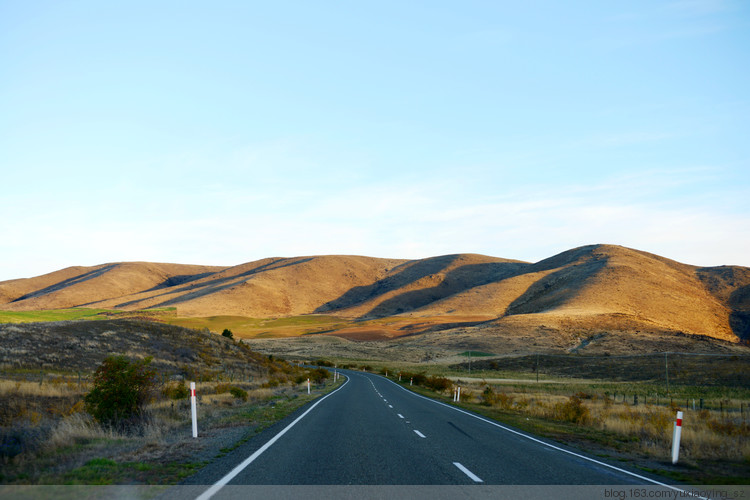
(80, 286)
(587, 289)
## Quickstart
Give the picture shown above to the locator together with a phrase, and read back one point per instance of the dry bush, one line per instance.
(505, 401)
(573, 410)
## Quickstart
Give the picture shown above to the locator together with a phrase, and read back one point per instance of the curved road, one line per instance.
(371, 431)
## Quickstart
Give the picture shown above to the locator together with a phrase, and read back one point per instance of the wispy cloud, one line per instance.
(391, 219)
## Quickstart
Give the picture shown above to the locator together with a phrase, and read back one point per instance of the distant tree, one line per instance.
(121, 390)
(227, 333)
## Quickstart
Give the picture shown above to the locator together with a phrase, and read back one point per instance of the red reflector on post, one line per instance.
(679, 422)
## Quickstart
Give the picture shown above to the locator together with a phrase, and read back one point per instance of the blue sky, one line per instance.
(225, 132)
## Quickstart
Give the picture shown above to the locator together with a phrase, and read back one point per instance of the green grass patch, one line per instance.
(476, 354)
(78, 313)
(50, 315)
(104, 471)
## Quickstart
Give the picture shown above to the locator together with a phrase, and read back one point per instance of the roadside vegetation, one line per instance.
(126, 419)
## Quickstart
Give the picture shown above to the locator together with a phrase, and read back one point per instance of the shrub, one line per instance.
(319, 375)
(238, 393)
(227, 333)
(573, 410)
(415, 378)
(488, 396)
(506, 401)
(222, 388)
(121, 390)
(177, 390)
(438, 384)
(466, 395)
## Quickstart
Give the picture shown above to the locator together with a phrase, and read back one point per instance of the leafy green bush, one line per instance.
(227, 333)
(238, 393)
(121, 390)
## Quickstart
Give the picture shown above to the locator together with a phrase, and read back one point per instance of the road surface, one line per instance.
(371, 431)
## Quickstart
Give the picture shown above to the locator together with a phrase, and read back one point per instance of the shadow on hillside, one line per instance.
(178, 280)
(66, 283)
(212, 286)
(455, 281)
(410, 272)
(739, 319)
(556, 288)
(459, 280)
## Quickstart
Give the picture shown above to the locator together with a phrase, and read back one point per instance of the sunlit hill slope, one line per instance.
(599, 286)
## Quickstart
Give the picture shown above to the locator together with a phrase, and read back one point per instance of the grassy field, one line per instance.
(79, 313)
(241, 326)
(51, 315)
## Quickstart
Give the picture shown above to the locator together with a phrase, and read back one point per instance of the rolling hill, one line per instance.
(592, 288)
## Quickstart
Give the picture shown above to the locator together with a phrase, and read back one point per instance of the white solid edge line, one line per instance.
(466, 471)
(419, 434)
(234, 472)
(548, 445)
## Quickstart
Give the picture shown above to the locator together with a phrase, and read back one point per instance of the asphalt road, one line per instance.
(371, 431)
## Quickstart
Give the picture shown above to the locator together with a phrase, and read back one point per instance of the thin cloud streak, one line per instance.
(392, 220)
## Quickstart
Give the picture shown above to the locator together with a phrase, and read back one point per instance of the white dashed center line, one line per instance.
(419, 434)
(466, 471)
(400, 416)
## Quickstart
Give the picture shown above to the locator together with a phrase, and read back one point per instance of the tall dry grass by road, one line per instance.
(706, 434)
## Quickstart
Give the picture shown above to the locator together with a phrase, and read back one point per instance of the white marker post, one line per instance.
(676, 437)
(308, 386)
(458, 394)
(193, 409)
(454, 394)
(411, 381)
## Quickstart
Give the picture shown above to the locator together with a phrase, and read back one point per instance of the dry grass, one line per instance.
(707, 434)
(45, 432)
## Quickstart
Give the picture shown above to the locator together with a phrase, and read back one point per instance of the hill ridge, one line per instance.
(594, 286)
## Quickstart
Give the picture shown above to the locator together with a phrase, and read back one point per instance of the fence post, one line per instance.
(635, 400)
